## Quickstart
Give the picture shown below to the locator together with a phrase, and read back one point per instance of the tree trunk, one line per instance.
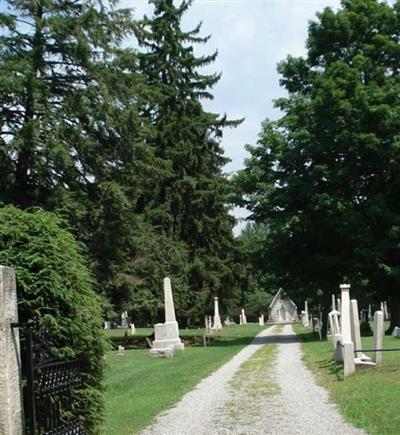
(24, 161)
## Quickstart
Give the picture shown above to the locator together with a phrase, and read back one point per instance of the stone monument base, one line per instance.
(167, 335)
(166, 352)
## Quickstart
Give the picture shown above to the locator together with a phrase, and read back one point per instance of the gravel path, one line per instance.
(197, 410)
(301, 407)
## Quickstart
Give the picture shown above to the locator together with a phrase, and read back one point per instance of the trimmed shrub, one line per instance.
(55, 290)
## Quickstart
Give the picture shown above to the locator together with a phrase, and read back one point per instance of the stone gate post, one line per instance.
(10, 366)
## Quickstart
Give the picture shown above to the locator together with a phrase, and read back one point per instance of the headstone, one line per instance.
(336, 336)
(385, 311)
(396, 332)
(348, 346)
(209, 330)
(369, 312)
(217, 319)
(364, 316)
(261, 320)
(124, 319)
(378, 336)
(306, 318)
(107, 325)
(333, 303)
(355, 327)
(339, 306)
(244, 318)
(240, 319)
(133, 328)
(10, 375)
(228, 321)
(121, 351)
(167, 334)
(317, 327)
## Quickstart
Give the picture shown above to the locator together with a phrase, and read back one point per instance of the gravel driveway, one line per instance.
(300, 407)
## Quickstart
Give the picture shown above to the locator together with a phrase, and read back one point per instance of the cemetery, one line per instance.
(345, 363)
(199, 217)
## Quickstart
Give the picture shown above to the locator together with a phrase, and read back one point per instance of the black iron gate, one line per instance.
(50, 387)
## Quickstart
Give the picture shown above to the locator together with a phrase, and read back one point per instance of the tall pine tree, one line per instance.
(72, 126)
(190, 201)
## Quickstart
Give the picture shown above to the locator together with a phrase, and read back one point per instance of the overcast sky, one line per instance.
(251, 36)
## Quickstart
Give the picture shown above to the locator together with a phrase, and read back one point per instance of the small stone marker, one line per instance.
(208, 325)
(261, 321)
(124, 319)
(396, 332)
(336, 336)
(317, 327)
(217, 319)
(121, 351)
(306, 322)
(378, 336)
(133, 328)
(244, 318)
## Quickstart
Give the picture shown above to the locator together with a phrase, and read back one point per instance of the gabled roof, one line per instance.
(278, 294)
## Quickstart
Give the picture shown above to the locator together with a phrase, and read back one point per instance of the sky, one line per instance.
(251, 37)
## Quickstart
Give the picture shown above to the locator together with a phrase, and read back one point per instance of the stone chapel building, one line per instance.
(282, 309)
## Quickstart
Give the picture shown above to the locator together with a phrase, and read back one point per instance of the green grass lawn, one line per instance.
(370, 399)
(138, 386)
(145, 332)
(122, 336)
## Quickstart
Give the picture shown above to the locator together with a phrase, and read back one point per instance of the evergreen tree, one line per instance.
(190, 200)
(51, 94)
(325, 177)
(72, 126)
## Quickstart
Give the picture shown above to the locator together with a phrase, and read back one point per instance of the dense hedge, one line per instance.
(55, 289)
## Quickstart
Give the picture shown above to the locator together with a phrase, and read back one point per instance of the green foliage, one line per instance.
(117, 142)
(324, 177)
(190, 202)
(257, 302)
(55, 289)
(258, 285)
(365, 329)
(156, 256)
